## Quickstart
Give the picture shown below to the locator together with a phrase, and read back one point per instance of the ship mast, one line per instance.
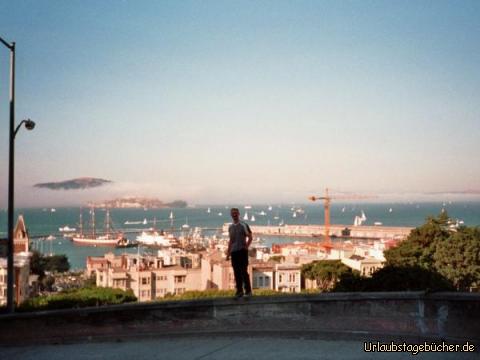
(80, 224)
(93, 221)
(107, 223)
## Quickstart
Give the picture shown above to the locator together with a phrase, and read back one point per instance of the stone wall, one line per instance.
(412, 316)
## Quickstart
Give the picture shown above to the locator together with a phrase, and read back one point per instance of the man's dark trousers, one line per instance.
(240, 266)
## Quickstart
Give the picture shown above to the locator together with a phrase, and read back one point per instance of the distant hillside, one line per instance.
(140, 202)
(74, 184)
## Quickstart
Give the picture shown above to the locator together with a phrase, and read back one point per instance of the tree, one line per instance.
(40, 263)
(419, 247)
(396, 278)
(458, 258)
(37, 264)
(325, 272)
(57, 263)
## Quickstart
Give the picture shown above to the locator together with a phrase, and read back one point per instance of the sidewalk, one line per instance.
(215, 348)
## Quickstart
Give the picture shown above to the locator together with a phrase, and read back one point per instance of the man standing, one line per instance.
(238, 251)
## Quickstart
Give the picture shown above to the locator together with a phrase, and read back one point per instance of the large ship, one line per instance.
(154, 238)
(109, 237)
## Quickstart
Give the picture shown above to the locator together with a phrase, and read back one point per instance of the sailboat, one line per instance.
(186, 226)
(294, 214)
(109, 238)
(270, 208)
(359, 220)
(252, 218)
(245, 217)
(364, 218)
(208, 210)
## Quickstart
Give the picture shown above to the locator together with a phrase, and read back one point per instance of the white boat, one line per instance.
(50, 237)
(378, 223)
(53, 210)
(294, 214)
(359, 220)
(208, 210)
(252, 218)
(132, 222)
(171, 215)
(247, 207)
(66, 229)
(364, 218)
(186, 226)
(220, 214)
(270, 208)
(262, 213)
(145, 221)
(245, 217)
(153, 238)
(281, 223)
(390, 210)
(343, 209)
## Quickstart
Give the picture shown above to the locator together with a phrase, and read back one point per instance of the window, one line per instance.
(280, 277)
(145, 281)
(180, 279)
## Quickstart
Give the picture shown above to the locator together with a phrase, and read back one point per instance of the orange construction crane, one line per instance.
(326, 204)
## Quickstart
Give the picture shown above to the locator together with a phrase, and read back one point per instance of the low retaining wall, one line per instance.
(416, 316)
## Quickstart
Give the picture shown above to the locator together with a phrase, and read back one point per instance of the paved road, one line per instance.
(216, 348)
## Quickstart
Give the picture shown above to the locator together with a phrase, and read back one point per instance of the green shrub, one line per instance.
(216, 294)
(91, 296)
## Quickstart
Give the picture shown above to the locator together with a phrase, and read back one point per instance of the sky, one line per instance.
(242, 101)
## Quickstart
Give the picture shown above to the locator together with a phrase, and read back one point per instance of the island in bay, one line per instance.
(139, 202)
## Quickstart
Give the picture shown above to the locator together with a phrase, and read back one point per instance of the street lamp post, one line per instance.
(29, 124)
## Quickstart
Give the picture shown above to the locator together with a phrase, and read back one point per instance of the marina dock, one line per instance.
(370, 232)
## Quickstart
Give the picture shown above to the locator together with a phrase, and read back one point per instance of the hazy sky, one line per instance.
(226, 101)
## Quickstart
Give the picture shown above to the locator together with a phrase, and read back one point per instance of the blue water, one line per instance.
(43, 222)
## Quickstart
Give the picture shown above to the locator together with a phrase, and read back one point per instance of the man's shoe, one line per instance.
(248, 295)
(238, 295)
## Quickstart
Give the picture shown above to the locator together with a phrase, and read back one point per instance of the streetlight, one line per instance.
(29, 124)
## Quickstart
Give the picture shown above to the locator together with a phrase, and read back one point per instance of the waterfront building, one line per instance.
(288, 277)
(21, 263)
(365, 265)
(147, 276)
(263, 274)
(217, 272)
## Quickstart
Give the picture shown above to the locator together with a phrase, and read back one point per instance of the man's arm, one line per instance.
(228, 252)
(249, 236)
(229, 249)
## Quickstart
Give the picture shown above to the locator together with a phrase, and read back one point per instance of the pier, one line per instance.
(367, 232)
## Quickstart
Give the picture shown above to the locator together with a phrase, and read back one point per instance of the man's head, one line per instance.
(235, 214)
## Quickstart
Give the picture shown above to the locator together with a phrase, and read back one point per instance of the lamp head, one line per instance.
(29, 124)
